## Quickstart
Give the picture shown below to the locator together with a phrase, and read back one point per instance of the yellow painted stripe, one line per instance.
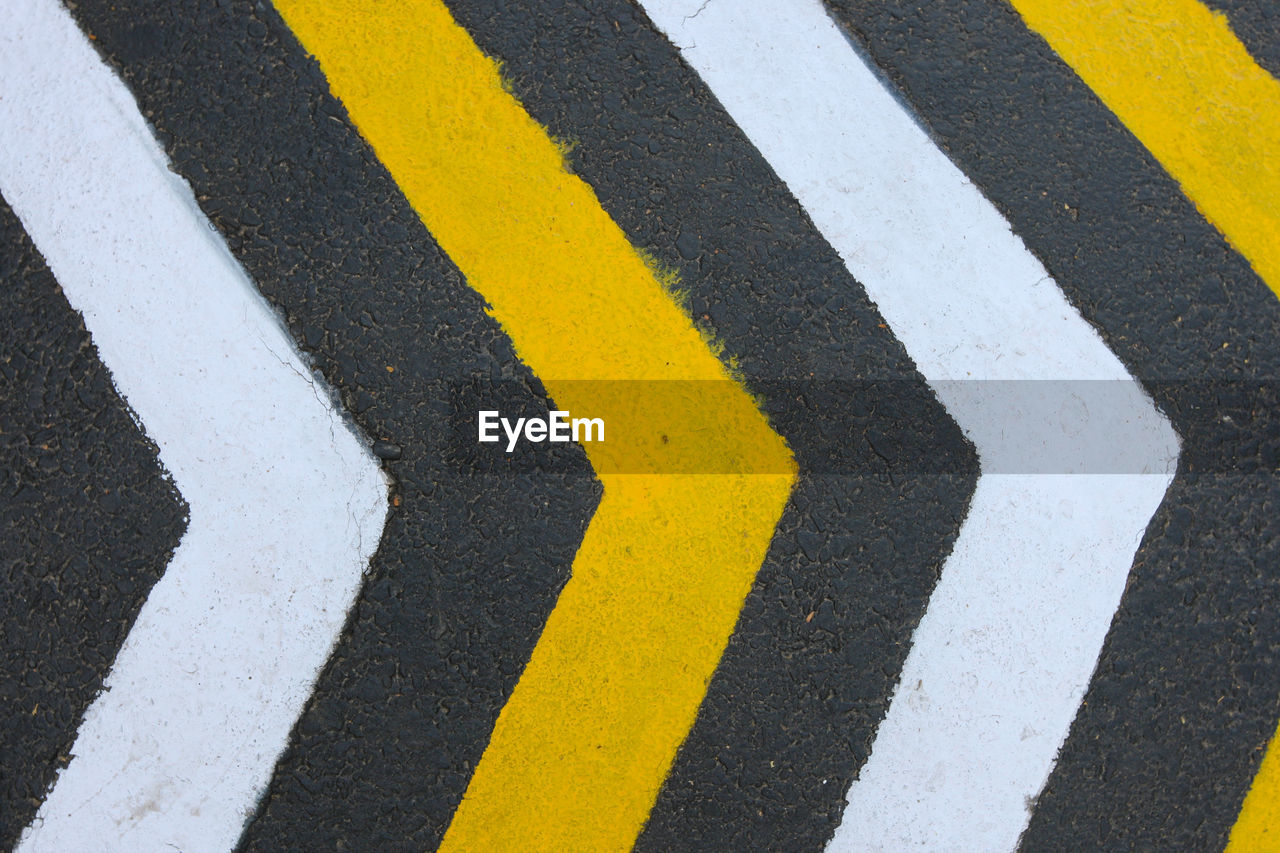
(585, 740)
(1181, 81)
(1258, 827)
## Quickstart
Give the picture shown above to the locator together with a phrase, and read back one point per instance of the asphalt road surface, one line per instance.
(815, 265)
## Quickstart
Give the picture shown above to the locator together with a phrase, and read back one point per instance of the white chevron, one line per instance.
(286, 503)
(1073, 468)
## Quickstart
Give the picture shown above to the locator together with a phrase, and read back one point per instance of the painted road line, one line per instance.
(1013, 630)
(581, 747)
(286, 504)
(484, 591)
(1258, 826)
(1182, 82)
(1179, 79)
(793, 700)
(82, 544)
(476, 552)
(1167, 739)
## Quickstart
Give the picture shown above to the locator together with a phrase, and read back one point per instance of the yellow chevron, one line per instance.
(581, 747)
(1257, 828)
(1182, 83)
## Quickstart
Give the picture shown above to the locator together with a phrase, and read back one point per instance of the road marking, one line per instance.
(1257, 828)
(581, 748)
(1012, 633)
(286, 503)
(1179, 79)
(1181, 82)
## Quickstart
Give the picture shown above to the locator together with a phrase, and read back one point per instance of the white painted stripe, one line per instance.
(1013, 630)
(287, 504)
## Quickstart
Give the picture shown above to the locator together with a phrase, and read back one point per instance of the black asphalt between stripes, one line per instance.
(469, 565)
(1187, 691)
(806, 679)
(88, 522)
(1257, 24)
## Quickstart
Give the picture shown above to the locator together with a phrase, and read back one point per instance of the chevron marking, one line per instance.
(1182, 83)
(579, 751)
(1258, 823)
(1013, 630)
(286, 502)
